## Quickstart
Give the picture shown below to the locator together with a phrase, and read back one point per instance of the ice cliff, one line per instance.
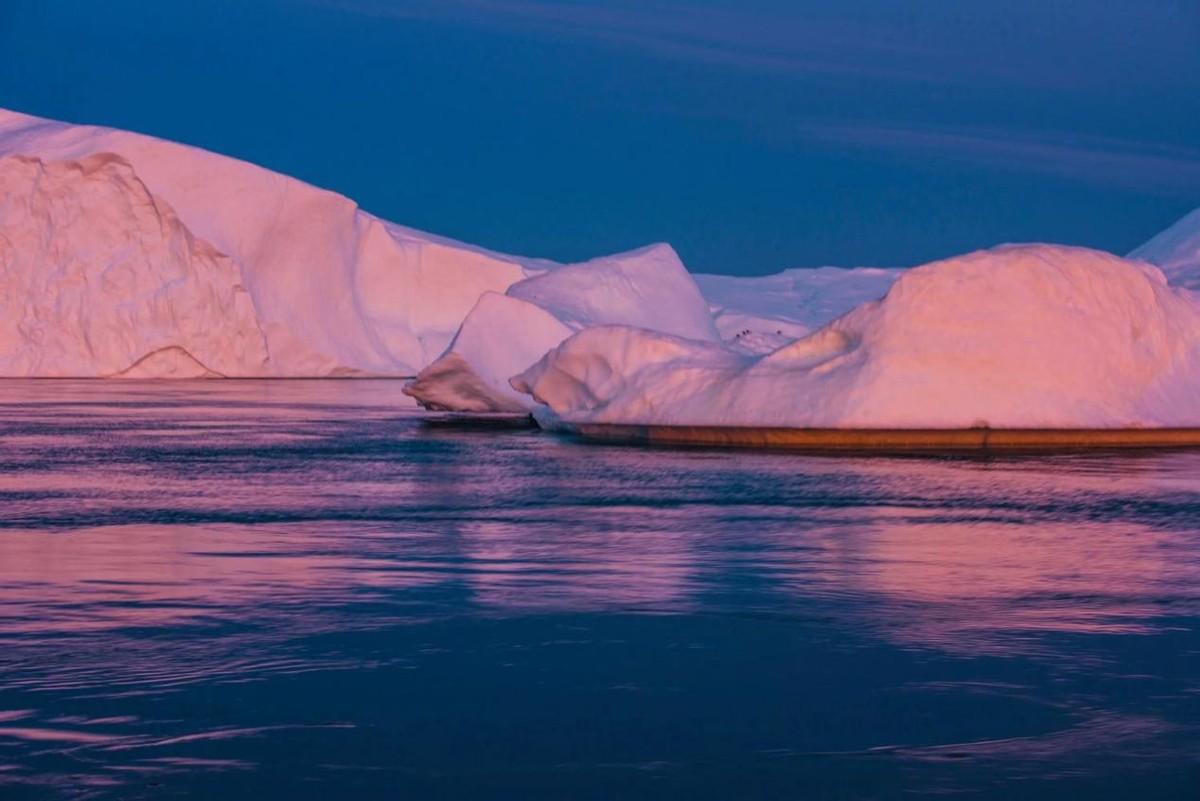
(102, 279)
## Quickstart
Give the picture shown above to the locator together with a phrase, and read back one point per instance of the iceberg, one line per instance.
(1024, 336)
(1177, 251)
(147, 257)
(127, 255)
(122, 255)
(648, 289)
(504, 334)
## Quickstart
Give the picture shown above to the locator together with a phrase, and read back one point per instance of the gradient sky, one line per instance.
(753, 135)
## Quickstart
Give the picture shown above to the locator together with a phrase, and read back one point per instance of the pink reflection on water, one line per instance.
(159, 576)
(161, 540)
(516, 569)
(946, 554)
(944, 568)
(972, 587)
(54, 735)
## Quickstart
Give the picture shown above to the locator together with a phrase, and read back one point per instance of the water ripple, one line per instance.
(275, 585)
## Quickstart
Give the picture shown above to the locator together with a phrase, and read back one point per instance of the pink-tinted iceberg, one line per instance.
(1018, 336)
(504, 334)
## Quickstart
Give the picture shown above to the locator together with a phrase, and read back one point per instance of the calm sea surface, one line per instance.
(299, 590)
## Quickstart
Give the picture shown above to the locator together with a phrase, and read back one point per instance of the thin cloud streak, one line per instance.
(1137, 166)
(929, 44)
(702, 35)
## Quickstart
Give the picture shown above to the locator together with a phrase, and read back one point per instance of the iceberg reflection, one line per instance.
(250, 580)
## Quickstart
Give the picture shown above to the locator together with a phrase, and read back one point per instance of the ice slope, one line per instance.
(504, 334)
(334, 290)
(1177, 251)
(759, 314)
(1017, 336)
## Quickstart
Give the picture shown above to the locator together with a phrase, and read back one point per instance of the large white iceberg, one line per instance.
(125, 255)
(242, 259)
(1177, 251)
(122, 254)
(1017, 336)
(648, 288)
(504, 334)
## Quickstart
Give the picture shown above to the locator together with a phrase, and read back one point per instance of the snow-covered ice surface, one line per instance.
(761, 313)
(205, 260)
(1017, 336)
(504, 334)
(1177, 251)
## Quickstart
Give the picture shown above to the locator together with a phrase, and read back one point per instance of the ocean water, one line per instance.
(300, 590)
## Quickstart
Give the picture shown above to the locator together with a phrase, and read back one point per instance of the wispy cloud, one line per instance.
(666, 29)
(921, 56)
(1064, 44)
(1140, 166)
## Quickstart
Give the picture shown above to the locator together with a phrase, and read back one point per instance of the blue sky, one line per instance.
(753, 135)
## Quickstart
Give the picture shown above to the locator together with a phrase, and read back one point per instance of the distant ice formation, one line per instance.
(759, 314)
(1017, 336)
(1177, 251)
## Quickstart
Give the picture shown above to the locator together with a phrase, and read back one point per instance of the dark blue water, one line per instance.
(295, 590)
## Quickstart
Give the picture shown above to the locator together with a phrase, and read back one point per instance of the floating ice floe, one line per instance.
(504, 334)
(1034, 336)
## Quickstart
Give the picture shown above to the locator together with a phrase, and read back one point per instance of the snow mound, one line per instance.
(101, 278)
(1177, 251)
(1017, 336)
(762, 313)
(505, 334)
(333, 290)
